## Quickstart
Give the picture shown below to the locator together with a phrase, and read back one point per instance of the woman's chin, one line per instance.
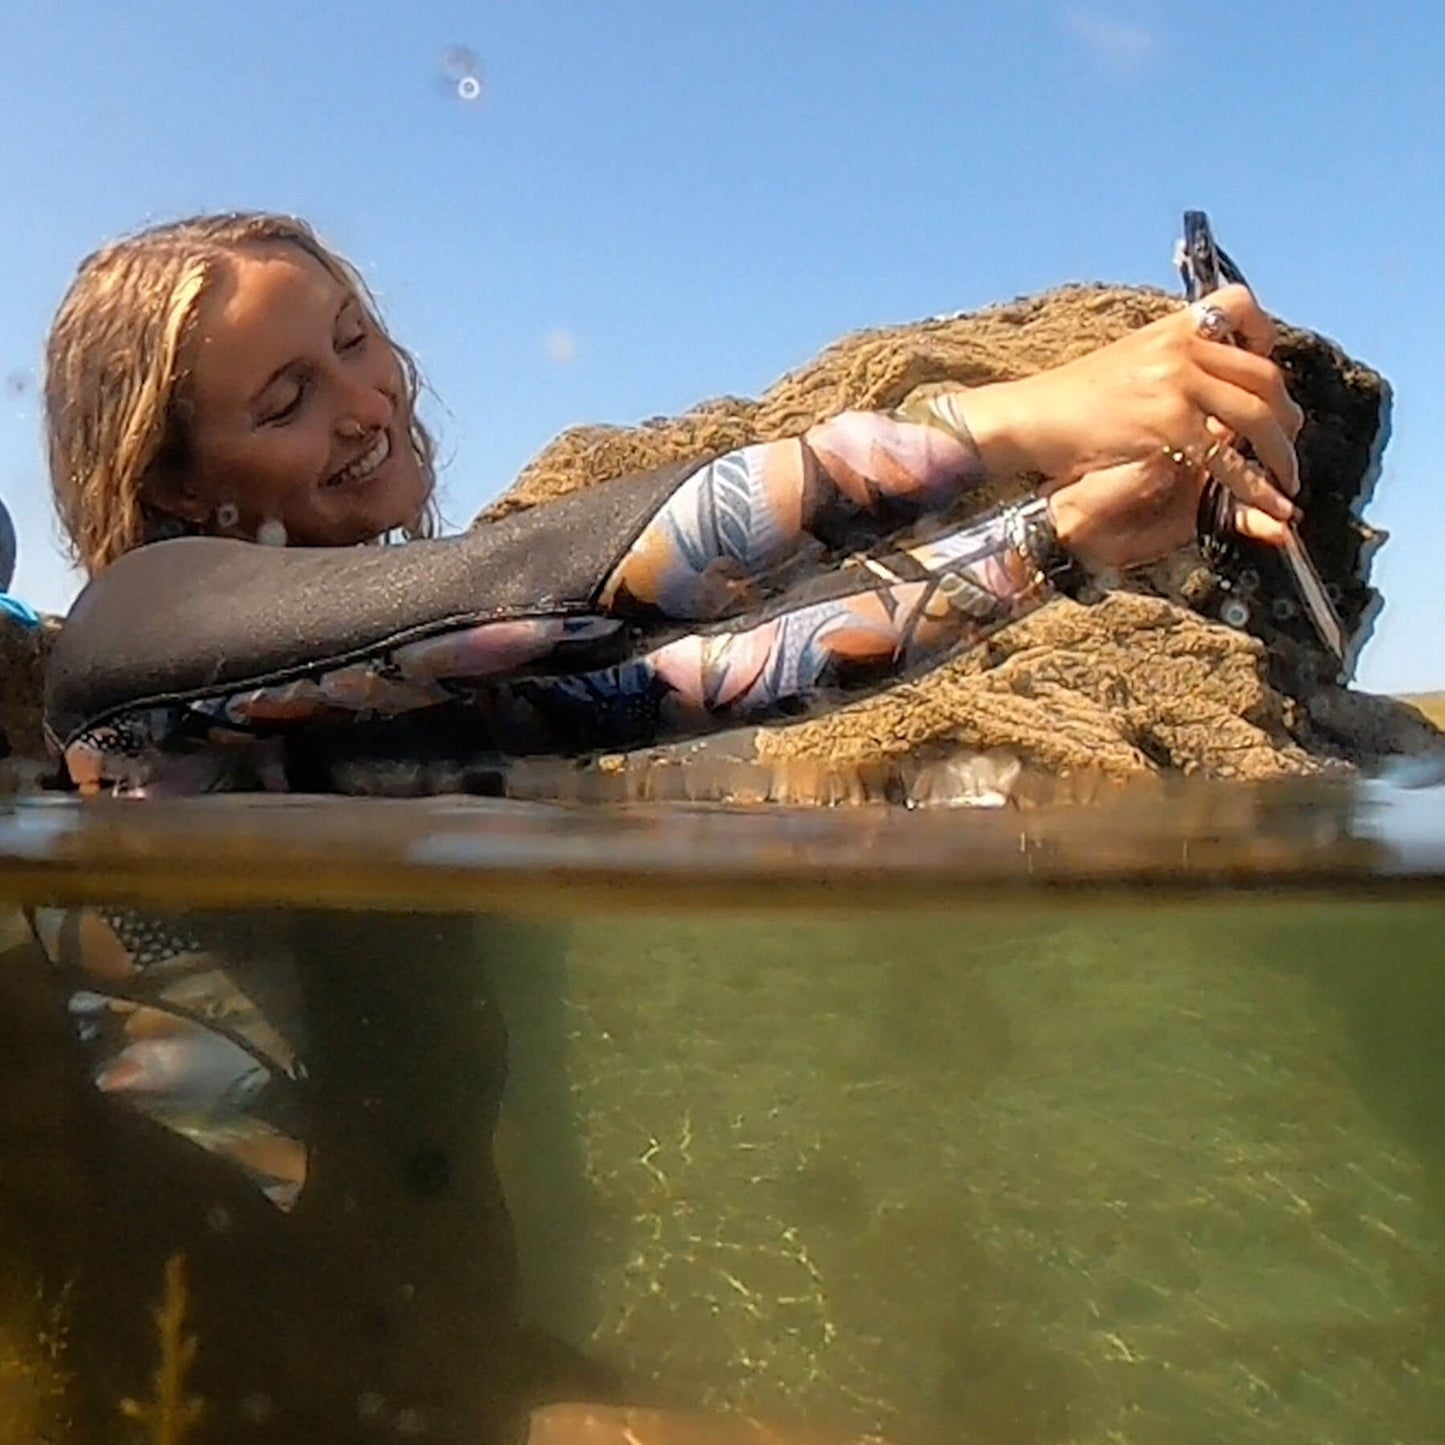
(406, 497)
(389, 504)
(406, 511)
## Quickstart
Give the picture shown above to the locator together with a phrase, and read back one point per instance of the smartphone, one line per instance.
(1203, 267)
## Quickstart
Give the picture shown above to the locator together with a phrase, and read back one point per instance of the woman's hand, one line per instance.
(1138, 512)
(1127, 436)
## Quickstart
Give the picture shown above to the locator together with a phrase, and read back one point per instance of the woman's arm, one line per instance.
(1121, 441)
(742, 526)
(876, 619)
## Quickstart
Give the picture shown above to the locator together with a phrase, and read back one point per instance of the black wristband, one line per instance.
(1032, 529)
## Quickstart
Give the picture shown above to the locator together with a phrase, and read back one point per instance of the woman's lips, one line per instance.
(365, 466)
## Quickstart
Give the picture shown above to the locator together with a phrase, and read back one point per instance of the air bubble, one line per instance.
(469, 88)
(1283, 609)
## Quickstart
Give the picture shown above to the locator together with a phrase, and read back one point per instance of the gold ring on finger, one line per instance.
(1180, 457)
(1188, 459)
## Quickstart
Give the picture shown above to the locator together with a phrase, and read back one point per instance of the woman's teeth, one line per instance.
(365, 464)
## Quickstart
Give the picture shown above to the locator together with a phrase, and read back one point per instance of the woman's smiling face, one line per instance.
(296, 411)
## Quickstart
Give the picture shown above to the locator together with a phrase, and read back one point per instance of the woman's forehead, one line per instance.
(267, 306)
(264, 288)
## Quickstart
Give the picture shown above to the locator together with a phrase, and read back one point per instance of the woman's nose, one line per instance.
(362, 409)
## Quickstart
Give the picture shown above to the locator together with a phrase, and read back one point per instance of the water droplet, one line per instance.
(463, 71)
(459, 61)
(218, 1219)
(17, 383)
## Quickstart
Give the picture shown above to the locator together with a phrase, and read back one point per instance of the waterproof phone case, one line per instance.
(1205, 268)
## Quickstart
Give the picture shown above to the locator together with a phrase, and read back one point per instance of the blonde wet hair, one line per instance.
(115, 373)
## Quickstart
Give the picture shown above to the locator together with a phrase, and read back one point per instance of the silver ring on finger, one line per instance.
(1211, 322)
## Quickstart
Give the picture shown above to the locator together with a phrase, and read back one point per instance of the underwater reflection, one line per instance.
(1030, 1165)
(386, 1290)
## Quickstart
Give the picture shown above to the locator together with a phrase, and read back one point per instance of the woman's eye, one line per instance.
(284, 413)
(353, 343)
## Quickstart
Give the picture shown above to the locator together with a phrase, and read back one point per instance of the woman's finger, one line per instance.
(1253, 330)
(1260, 526)
(1249, 416)
(1220, 433)
(1255, 374)
(1247, 483)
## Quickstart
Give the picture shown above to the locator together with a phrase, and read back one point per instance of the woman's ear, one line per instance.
(172, 490)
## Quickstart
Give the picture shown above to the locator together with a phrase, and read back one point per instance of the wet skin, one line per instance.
(295, 411)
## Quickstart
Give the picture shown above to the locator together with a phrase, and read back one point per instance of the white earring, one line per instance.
(227, 515)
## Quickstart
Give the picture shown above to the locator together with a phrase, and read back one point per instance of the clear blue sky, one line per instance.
(654, 202)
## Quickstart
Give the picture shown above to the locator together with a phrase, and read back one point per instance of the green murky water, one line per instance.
(1125, 1125)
